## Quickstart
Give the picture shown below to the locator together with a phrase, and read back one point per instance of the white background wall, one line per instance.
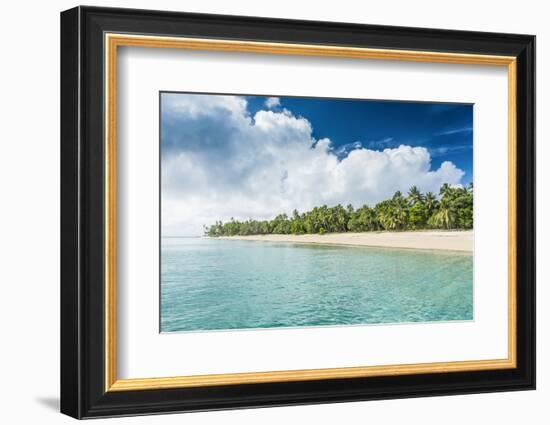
(29, 211)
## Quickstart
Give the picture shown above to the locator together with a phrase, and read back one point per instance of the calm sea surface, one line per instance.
(210, 284)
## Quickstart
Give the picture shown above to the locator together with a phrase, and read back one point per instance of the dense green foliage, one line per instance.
(453, 210)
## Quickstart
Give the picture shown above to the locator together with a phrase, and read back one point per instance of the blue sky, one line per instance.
(226, 156)
(446, 129)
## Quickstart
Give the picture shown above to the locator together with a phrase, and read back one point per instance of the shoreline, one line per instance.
(439, 240)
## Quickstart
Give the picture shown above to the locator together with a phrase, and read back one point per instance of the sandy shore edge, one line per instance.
(459, 241)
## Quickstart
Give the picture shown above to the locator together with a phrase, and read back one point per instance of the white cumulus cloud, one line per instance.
(219, 162)
(272, 102)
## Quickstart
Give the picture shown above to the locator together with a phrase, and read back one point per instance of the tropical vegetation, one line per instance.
(451, 209)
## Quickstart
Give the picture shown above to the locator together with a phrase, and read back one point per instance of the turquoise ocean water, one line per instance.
(211, 284)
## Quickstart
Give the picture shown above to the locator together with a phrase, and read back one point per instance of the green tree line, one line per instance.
(453, 209)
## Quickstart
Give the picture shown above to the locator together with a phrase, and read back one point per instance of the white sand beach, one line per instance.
(461, 241)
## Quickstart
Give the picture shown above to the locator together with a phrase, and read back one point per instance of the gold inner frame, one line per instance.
(113, 41)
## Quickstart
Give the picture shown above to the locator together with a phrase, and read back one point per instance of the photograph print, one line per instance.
(283, 212)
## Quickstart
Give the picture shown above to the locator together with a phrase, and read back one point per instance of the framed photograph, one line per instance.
(261, 212)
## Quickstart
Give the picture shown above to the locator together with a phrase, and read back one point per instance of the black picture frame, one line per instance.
(83, 392)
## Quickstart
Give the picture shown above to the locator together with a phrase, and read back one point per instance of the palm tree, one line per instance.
(444, 218)
(445, 190)
(416, 211)
(386, 219)
(414, 196)
(400, 213)
(363, 220)
(431, 202)
(397, 196)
